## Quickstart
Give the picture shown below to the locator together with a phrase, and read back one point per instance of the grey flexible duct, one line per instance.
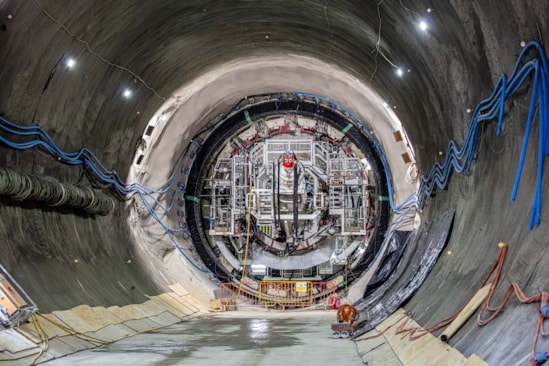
(22, 187)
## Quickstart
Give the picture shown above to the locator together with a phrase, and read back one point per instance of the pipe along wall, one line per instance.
(20, 187)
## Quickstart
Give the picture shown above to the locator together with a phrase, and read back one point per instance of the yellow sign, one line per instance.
(301, 287)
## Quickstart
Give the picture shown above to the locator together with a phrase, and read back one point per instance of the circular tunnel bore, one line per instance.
(286, 187)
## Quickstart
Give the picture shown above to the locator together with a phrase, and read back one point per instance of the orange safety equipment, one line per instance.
(348, 313)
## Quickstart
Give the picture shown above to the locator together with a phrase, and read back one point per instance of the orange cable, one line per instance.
(496, 270)
(514, 288)
(403, 316)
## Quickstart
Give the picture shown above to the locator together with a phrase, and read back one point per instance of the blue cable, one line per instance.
(461, 159)
(168, 232)
(86, 157)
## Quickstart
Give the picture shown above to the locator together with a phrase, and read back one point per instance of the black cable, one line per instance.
(278, 193)
(296, 190)
(295, 243)
(275, 201)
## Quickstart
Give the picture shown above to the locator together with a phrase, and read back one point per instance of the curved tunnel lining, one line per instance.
(200, 102)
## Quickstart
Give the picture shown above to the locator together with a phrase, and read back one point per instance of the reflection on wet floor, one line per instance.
(230, 339)
(260, 332)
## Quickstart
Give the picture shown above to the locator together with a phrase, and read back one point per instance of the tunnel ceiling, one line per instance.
(167, 45)
(191, 61)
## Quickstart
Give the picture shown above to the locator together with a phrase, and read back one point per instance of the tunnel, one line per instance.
(390, 150)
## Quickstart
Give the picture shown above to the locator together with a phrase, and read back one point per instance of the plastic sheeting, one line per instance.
(422, 249)
(390, 260)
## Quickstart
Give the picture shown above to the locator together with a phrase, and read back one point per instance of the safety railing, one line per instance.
(245, 293)
(271, 293)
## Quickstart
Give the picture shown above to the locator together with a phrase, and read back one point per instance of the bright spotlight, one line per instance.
(70, 63)
(423, 25)
(399, 72)
(127, 93)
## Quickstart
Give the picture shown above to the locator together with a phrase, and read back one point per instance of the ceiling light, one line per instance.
(399, 72)
(423, 25)
(127, 93)
(70, 63)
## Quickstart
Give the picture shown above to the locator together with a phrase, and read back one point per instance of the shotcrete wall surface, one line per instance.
(64, 258)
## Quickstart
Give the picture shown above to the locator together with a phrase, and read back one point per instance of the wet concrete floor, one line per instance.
(231, 338)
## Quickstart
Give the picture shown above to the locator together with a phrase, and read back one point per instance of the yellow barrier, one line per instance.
(286, 293)
(283, 293)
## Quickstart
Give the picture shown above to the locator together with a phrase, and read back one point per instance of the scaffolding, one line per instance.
(348, 194)
(299, 192)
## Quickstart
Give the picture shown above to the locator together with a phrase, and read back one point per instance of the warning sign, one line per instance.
(301, 287)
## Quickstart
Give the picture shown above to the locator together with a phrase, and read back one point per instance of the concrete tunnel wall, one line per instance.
(169, 43)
